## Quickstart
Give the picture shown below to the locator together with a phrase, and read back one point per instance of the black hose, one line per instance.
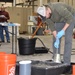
(48, 48)
(44, 46)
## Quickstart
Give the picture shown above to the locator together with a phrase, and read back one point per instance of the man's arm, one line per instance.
(66, 26)
(7, 16)
(54, 33)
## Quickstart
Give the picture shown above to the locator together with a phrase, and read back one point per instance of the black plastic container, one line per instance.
(47, 68)
(26, 46)
(41, 50)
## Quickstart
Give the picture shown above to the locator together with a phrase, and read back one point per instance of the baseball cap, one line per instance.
(42, 12)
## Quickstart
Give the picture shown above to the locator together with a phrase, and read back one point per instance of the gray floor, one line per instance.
(47, 40)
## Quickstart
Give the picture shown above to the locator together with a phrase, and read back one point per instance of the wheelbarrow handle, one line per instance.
(36, 30)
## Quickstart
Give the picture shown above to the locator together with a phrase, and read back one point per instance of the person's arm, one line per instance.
(66, 26)
(54, 33)
(66, 15)
(7, 15)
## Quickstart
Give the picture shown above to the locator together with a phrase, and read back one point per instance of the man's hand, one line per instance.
(56, 44)
(46, 31)
(60, 34)
(2, 16)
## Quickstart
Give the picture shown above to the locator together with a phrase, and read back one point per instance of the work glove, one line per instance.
(60, 34)
(56, 44)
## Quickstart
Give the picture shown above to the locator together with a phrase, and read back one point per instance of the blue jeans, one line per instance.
(0, 33)
(6, 31)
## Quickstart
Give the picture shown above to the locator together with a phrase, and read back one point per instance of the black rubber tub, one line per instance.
(41, 50)
(26, 46)
(47, 68)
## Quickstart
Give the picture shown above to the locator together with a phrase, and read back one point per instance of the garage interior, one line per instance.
(23, 12)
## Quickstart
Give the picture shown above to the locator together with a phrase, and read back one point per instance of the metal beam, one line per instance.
(14, 2)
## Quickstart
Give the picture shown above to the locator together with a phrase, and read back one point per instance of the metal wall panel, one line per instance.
(53, 0)
(27, 12)
(74, 4)
(61, 0)
(20, 15)
(66, 1)
(71, 2)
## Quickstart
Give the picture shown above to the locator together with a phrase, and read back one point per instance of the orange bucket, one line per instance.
(73, 70)
(7, 64)
(2, 53)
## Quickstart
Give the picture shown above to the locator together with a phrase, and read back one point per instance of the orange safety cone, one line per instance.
(73, 70)
(7, 64)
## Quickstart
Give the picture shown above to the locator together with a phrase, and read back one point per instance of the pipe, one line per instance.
(14, 2)
(41, 2)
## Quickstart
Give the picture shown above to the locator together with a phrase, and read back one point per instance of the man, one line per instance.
(61, 19)
(4, 16)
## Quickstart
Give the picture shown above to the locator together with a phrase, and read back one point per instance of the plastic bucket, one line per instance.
(2, 53)
(25, 67)
(73, 70)
(7, 64)
(26, 46)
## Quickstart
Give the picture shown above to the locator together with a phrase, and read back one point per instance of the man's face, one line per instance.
(48, 12)
(48, 15)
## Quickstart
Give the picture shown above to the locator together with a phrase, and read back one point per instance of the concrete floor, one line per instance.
(47, 40)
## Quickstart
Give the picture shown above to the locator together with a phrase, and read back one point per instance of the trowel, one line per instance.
(57, 57)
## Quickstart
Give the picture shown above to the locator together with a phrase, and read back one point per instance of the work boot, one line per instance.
(3, 41)
(8, 41)
(0, 43)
